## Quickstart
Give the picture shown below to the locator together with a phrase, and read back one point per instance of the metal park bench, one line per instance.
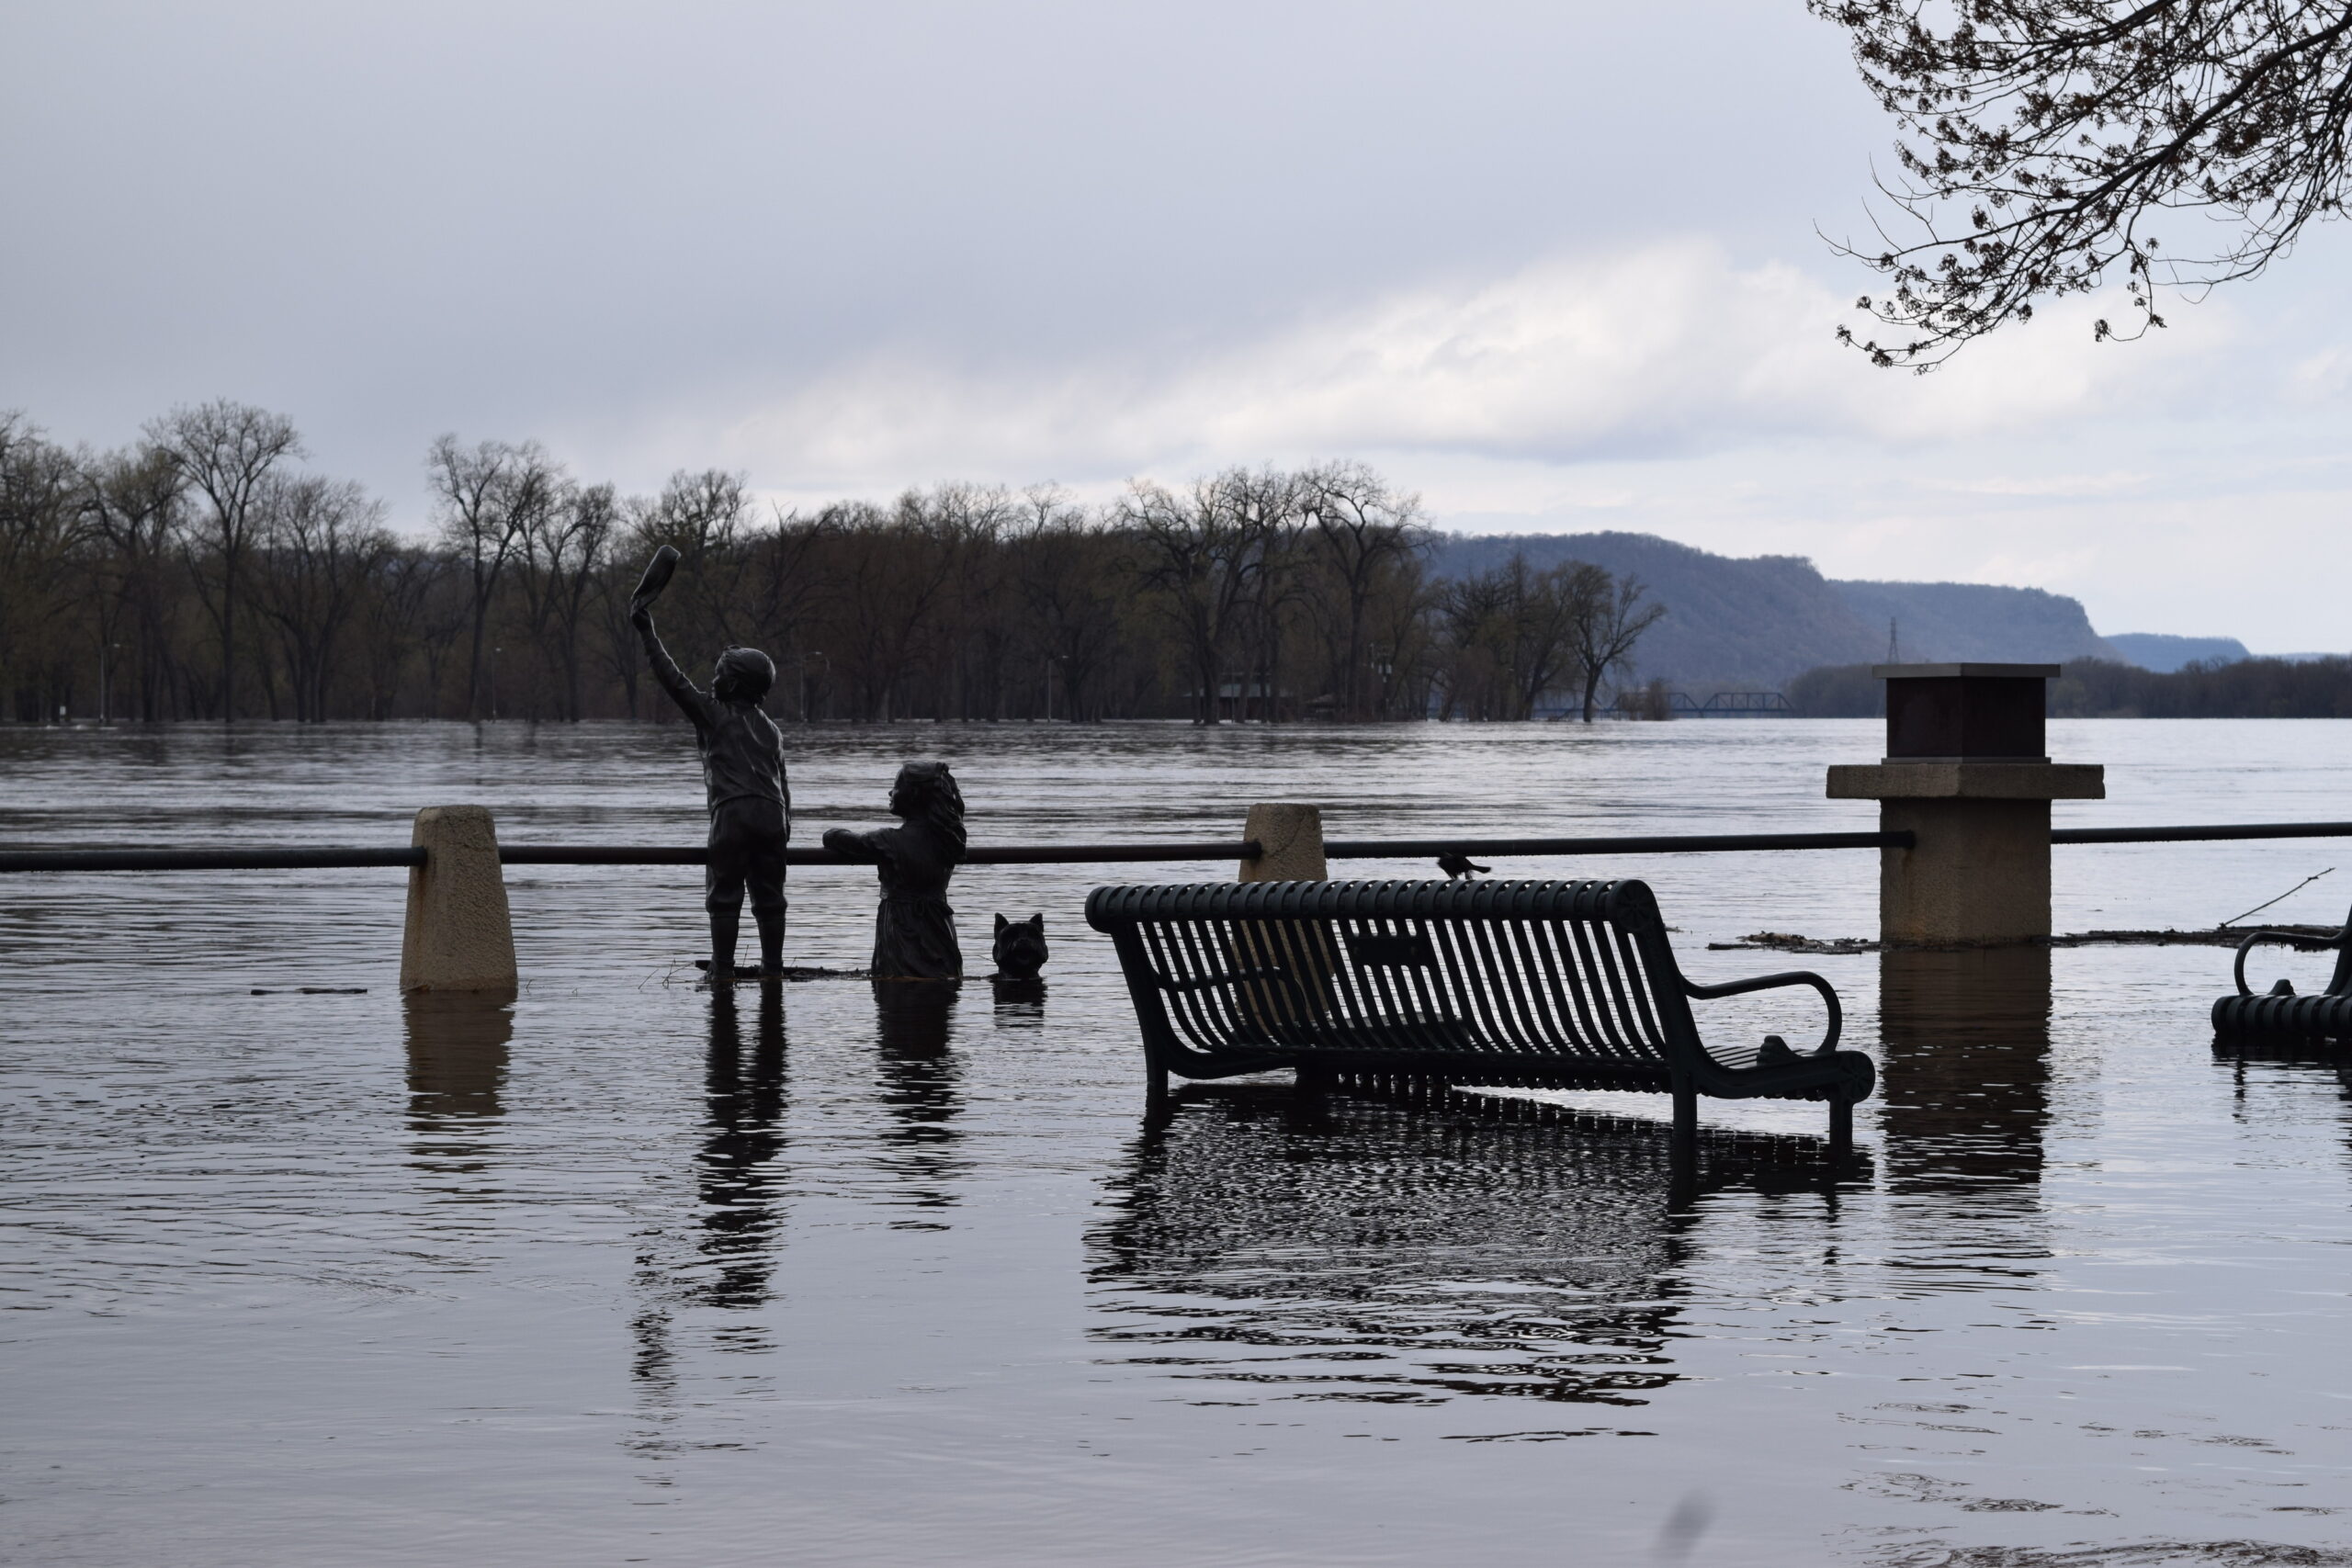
(2279, 1013)
(1552, 985)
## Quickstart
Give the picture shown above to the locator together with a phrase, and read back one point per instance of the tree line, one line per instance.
(2101, 688)
(200, 572)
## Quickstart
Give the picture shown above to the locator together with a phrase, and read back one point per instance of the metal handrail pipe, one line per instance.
(325, 858)
(1058, 854)
(975, 855)
(2200, 830)
(348, 857)
(322, 858)
(1657, 843)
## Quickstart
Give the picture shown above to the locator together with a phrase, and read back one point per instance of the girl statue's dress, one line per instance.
(914, 930)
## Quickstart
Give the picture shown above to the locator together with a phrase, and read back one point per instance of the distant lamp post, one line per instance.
(494, 651)
(803, 663)
(1052, 659)
(106, 707)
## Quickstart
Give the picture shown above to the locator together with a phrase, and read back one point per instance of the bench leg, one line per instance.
(1682, 1149)
(1841, 1131)
(1682, 1178)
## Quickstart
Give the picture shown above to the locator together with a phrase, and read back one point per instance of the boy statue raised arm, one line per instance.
(742, 769)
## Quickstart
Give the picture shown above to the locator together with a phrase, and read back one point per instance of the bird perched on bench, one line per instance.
(1459, 865)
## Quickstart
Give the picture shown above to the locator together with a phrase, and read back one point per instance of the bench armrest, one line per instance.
(1773, 982)
(2237, 970)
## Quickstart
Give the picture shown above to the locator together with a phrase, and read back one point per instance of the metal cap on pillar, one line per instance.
(1967, 773)
(1951, 713)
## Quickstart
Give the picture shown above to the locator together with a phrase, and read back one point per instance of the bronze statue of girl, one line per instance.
(914, 930)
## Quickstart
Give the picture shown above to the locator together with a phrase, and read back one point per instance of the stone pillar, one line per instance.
(459, 936)
(1289, 840)
(1964, 773)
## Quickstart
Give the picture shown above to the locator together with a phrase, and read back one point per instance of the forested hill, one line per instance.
(1975, 620)
(1756, 622)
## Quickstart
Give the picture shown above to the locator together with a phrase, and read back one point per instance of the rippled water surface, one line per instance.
(629, 1273)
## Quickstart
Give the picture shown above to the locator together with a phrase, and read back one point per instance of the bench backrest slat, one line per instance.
(1644, 985)
(1507, 968)
(1602, 998)
(1555, 968)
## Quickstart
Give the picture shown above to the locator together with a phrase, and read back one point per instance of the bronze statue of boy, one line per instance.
(742, 769)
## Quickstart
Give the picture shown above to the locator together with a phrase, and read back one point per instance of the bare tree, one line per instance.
(1472, 609)
(705, 517)
(135, 503)
(781, 584)
(619, 649)
(1072, 577)
(705, 511)
(1514, 632)
(225, 450)
(1611, 619)
(967, 643)
(564, 550)
(322, 542)
(40, 527)
(1403, 650)
(488, 499)
(893, 572)
(1271, 504)
(1201, 552)
(1367, 530)
(2041, 140)
(398, 618)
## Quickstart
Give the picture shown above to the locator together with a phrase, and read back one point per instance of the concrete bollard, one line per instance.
(1289, 840)
(459, 937)
(1965, 774)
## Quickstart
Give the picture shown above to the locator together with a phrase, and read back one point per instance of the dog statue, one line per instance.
(1020, 948)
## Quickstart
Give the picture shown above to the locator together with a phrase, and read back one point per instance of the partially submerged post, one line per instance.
(1289, 837)
(459, 937)
(1290, 844)
(1967, 773)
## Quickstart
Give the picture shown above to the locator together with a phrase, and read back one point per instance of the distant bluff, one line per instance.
(1759, 622)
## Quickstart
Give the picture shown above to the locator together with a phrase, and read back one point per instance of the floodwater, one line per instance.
(632, 1273)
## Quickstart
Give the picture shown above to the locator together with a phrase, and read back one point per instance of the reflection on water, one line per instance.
(918, 1079)
(1019, 1004)
(2262, 1065)
(738, 1166)
(736, 1218)
(457, 1066)
(1963, 1066)
(1408, 1251)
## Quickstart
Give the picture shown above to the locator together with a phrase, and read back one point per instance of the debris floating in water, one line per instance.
(791, 973)
(1789, 941)
(310, 990)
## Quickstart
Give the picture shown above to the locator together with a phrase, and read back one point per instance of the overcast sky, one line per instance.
(1554, 266)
